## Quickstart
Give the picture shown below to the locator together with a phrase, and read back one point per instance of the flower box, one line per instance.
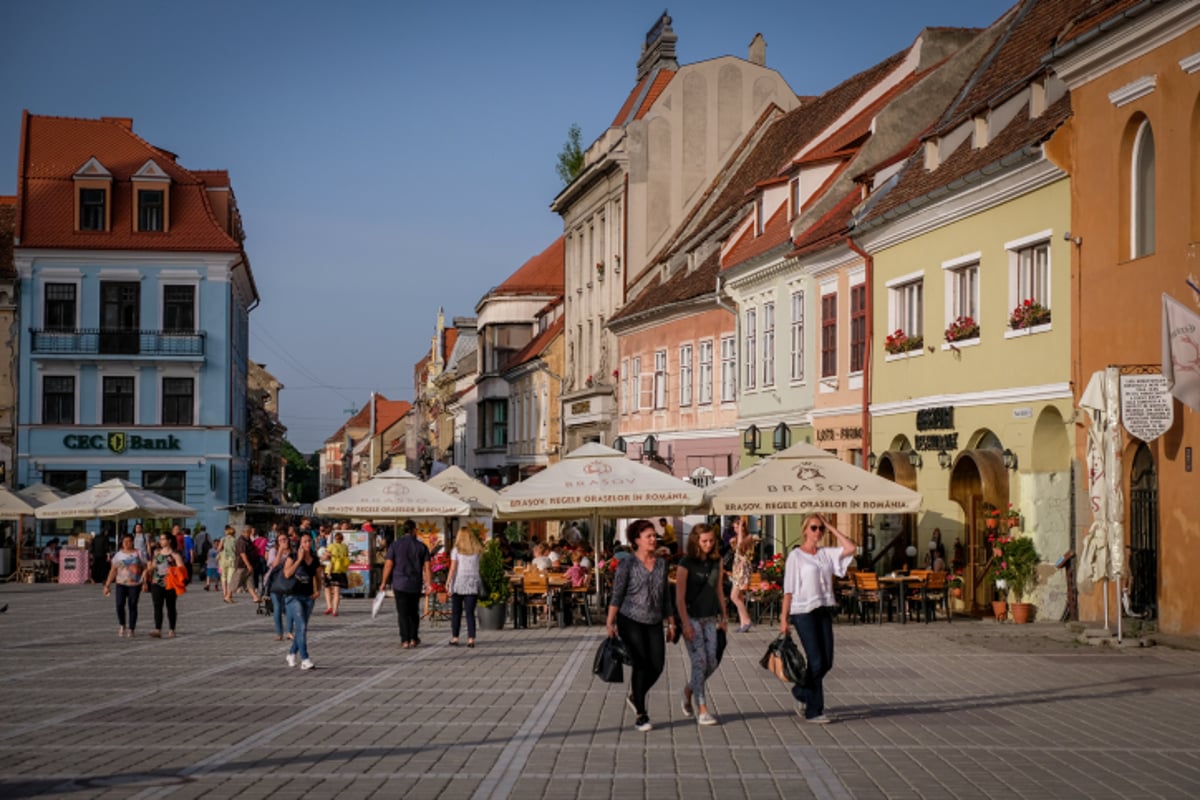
(1028, 314)
(961, 329)
(900, 342)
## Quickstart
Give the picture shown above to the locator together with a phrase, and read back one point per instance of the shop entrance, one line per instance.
(1143, 535)
(978, 478)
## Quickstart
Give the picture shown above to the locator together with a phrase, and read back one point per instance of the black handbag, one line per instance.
(784, 659)
(607, 665)
(722, 641)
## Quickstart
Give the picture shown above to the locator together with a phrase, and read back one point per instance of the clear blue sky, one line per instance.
(393, 157)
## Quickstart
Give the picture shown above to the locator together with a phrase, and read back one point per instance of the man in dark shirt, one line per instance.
(243, 571)
(407, 566)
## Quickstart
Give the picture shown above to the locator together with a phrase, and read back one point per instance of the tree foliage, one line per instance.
(570, 158)
(302, 475)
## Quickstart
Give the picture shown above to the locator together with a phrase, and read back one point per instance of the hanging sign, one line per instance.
(1147, 407)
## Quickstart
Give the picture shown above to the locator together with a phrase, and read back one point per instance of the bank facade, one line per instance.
(135, 294)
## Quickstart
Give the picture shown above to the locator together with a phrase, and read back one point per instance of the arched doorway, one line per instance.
(896, 531)
(978, 478)
(1143, 534)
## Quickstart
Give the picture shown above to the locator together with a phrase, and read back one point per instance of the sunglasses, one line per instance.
(820, 528)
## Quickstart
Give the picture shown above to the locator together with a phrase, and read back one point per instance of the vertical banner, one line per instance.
(1181, 351)
(359, 575)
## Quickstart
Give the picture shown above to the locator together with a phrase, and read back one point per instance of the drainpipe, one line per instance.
(869, 264)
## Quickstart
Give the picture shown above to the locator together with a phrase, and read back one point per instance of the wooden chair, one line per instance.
(580, 597)
(868, 592)
(843, 589)
(537, 595)
(933, 594)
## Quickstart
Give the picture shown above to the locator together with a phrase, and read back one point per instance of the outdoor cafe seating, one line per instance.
(539, 597)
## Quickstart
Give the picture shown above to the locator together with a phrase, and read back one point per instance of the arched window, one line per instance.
(1142, 202)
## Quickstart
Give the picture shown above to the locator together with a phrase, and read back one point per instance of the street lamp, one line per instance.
(871, 461)
(914, 458)
(751, 440)
(944, 459)
(620, 444)
(1010, 459)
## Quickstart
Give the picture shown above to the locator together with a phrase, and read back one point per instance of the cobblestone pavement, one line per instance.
(969, 709)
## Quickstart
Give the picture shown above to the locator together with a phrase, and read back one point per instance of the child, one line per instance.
(212, 570)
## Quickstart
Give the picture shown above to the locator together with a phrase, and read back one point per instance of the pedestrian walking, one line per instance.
(743, 555)
(463, 583)
(407, 566)
(126, 574)
(228, 552)
(640, 601)
(809, 599)
(141, 542)
(100, 557)
(339, 567)
(161, 592)
(277, 557)
(304, 570)
(700, 599)
(243, 570)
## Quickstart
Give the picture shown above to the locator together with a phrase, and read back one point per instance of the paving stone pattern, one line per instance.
(969, 709)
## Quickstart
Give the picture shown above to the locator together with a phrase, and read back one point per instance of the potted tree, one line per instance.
(1021, 559)
(496, 587)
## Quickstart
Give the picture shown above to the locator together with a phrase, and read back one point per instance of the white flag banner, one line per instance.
(1181, 351)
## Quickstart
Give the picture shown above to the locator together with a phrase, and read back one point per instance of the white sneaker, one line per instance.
(686, 704)
(291, 659)
(643, 723)
(307, 664)
(820, 719)
(706, 718)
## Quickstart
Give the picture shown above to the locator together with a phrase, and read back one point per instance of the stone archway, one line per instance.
(978, 477)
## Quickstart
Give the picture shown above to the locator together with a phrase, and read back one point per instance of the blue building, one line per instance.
(135, 293)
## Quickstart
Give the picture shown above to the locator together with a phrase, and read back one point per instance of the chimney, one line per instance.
(124, 122)
(658, 51)
(758, 51)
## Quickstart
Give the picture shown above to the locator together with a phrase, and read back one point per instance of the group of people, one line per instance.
(642, 600)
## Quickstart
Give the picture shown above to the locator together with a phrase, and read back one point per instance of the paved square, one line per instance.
(969, 709)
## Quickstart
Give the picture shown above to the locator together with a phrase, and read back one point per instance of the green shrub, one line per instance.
(496, 585)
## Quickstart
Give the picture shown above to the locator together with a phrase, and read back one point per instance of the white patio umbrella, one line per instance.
(114, 499)
(1102, 554)
(804, 479)
(597, 482)
(40, 494)
(13, 505)
(453, 481)
(394, 494)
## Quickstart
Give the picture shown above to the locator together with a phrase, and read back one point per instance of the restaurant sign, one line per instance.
(119, 441)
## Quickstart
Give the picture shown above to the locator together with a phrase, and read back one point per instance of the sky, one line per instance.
(393, 158)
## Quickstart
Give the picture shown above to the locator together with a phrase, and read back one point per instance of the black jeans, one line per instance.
(127, 596)
(458, 604)
(816, 634)
(161, 595)
(408, 614)
(648, 649)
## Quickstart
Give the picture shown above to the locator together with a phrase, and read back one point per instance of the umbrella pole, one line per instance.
(597, 549)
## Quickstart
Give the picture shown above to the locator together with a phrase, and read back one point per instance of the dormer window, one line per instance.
(93, 196)
(150, 209)
(93, 207)
(759, 216)
(151, 198)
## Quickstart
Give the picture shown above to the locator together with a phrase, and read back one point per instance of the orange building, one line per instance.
(1133, 70)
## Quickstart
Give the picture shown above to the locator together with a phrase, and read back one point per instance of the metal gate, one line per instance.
(1143, 535)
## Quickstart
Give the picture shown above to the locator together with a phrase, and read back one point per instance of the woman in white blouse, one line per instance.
(464, 583)
(808, 597)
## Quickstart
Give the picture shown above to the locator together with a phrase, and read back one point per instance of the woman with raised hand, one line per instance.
(304, 570)
(809, 600)
(739, 574)
(640, 601)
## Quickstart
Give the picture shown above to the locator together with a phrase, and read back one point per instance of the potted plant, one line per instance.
(1020, 560)
(900, 342)
(955, 584)
(1027, 314)
(496, 587)
(962, 328)
(999, 571)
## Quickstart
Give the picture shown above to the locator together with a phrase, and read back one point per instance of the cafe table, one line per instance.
(556, 582)
(898, 584)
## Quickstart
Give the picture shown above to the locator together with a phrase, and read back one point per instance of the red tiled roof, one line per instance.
(448, 345)
(1094, 17)
(679, 287)
(829, 229)
(52, 151)
(387, 413)
(775, 232)
(542, 274)
(213, 178)
(915, 182)
(8, 220)
(538, 344)
(631, 109)
(1015, 58)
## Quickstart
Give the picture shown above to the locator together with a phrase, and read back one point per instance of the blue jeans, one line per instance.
(458, 604)
(816, 635)
(299, 609)
(277, 603)
(127, 596)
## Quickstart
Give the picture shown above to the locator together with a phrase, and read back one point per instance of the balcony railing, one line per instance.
(98, 341)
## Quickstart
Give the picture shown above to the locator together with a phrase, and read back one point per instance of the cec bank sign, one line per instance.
(118, 442)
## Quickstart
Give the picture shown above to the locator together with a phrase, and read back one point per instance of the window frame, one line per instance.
(797, 334)
(88, 210)
(858, 327)
(132, 399)
(704, 394)
(1017, 289)
(167, 304)
(685, 375)
(750, 349)
(1142, 189)
(145, 210)
(48, 321)
(152, 481)
(768, 344)
(635, 385)
(190, 405)
(958, 274)
(729, 368)
(829, 315)
(906, 304)
(73, 397)
(661, 375)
